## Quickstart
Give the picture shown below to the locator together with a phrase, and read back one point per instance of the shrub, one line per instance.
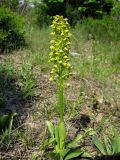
(116, 8)
(12, 4)
(105, 30)
(43, 18)
(74, 10)
(11, 30)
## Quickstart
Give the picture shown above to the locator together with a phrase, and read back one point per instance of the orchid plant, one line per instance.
(59, 52)
(60, 45)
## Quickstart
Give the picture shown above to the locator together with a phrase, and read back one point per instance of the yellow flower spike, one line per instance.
(61, 70)
(60, 45)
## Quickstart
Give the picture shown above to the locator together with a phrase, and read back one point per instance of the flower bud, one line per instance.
(68, 85)
(51, 79)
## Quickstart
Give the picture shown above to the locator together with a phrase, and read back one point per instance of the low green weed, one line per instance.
(39, 47)
(110, 146)
(2, 101)
(7, 79)
(62, 149)
(6, 124)
(105, 30)
(7, 73)
(34, 156)
(27, 81)
(25, 139)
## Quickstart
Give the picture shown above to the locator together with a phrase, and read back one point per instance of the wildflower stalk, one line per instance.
(61, 98)
(59, 50)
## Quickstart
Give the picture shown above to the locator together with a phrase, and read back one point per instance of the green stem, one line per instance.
(61, 158)
(61, 98)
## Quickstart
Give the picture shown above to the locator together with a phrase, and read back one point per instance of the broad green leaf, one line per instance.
(46, 143)
(34, 156)
(107, 146)
(51, 128)
(90, 132)
(11, 124)
(14, 114)
(57, 138)
(52, 156)
(73, 154)
(74, 143)
(4, 121)
(99, 145)
(86, 155)
(79, 138)
(114, 131)
(82, 9)
(116, 145)
(62, 135)
(64, 152)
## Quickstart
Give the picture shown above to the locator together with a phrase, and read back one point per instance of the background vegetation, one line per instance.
(11, 30)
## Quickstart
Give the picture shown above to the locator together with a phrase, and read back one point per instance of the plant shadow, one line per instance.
(81, 122)
(113, 157)
(11, 95)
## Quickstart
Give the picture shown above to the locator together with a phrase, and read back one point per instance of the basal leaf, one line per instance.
(52, 156)
(74, 143)
(64, 152)
(99, 145)
(51, 128)
(107, 146)
(46, 143)
(62, 135)
(86, 155)
(57, 138)
(73, 154)
(4, 121)
(116, 145)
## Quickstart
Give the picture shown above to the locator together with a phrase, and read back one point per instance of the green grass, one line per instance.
(101, 63)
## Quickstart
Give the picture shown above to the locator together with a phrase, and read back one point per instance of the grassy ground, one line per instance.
(92, 99)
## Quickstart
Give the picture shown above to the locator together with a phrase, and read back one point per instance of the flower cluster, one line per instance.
(59, 48)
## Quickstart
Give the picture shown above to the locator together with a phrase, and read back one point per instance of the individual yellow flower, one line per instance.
(51, 79)
(68, 85)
